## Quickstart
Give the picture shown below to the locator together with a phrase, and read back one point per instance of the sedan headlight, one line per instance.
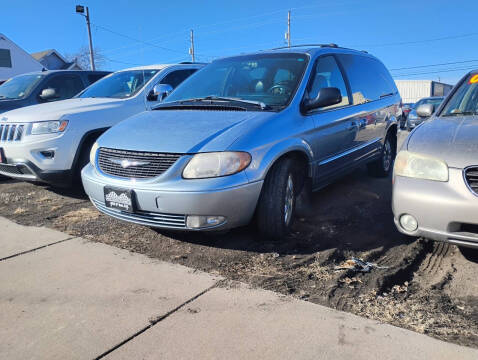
(49, 127)
(209, 165)
(93, 150)
(419, 166)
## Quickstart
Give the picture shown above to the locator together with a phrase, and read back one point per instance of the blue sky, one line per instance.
(402, 34)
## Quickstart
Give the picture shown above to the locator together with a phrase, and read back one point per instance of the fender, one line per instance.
(264, 158)
(95, 132)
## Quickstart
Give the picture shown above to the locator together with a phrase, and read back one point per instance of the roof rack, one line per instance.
(191, 62)
(331, 45)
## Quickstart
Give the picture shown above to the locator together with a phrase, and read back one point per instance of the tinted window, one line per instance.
(177, 77)
(122, 84)
(368, 77)
(327, 73)
(268, 78)
(66, 86)
(5, 58)
(92, 78)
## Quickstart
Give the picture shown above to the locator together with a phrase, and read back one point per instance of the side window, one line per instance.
(369, 79)
(327, 73)
(66, 86)
(177, 77)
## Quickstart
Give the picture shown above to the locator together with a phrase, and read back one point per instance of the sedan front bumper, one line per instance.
(445, 211)
(159, 207)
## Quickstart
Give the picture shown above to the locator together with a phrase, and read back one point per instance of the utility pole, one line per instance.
(288, 29)
(80, 9)
(191, 49)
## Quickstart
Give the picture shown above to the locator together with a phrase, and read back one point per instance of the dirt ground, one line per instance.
(423, 286)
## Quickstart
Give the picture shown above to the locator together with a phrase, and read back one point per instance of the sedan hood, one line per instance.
(453, 139)
(181, 131)
(55, 110)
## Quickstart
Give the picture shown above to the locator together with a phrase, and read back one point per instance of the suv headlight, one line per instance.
(209, 165)
(49, 127)
(93, 151)
(419, 166)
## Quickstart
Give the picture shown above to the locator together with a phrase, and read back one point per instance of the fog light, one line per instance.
(408, 222)
(48, 154)
(196, 222)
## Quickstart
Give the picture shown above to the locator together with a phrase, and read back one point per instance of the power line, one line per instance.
(137, 40)
(437, 72)
(419, 41)
(433, 65)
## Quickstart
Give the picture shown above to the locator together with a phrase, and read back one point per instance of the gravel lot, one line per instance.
(427, 287)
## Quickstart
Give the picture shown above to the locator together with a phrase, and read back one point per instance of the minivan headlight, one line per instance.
(49, 127)
(93, 150)
(215, 164)
(419, 166)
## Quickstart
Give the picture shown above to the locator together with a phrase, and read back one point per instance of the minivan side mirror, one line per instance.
(425, 110)
(159, 92)
(326, 97)
(48, 94)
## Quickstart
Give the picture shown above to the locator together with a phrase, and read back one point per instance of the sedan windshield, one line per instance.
(267, 79)
(120, 85)
(465, 99)
(19, 86)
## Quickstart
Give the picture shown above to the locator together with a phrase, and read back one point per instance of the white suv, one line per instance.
(51, 142)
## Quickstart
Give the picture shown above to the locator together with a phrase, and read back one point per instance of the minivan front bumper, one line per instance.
(444, 211)
(169, 209)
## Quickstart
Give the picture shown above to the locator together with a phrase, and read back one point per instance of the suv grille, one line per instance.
(11, 132)
(134, 164)
(471, 177)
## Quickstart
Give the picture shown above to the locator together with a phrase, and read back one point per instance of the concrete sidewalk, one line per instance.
(67, 298)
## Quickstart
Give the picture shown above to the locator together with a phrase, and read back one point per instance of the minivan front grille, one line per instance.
(471, 177)
(11, 132)
(134, 164)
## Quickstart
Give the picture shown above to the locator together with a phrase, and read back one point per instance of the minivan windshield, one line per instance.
(465, 100)
(119, 85)
(268, 79)
(19, 87)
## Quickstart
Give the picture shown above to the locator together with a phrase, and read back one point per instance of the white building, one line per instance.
(414, 90)
(14, 60)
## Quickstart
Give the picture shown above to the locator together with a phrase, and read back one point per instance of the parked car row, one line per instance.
(414, 118)
(242, 138)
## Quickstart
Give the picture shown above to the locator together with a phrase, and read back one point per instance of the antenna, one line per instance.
(287, 34)
(191, 49)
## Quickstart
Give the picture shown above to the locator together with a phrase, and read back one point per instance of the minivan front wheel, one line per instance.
(277, 203)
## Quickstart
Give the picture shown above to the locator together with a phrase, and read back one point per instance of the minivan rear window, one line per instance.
(368, 77)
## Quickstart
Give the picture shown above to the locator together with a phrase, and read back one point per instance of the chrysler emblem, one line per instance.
(126, 163)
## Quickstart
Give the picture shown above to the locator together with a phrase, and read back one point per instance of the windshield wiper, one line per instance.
(228, 99)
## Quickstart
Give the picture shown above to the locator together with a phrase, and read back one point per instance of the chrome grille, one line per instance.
(11, 132)
(145, 218)
(142, 165)
(471, 177)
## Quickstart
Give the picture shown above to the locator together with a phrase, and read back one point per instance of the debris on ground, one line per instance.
(358, 265)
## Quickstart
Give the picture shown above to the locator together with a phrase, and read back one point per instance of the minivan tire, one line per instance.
(276, 207)
(383, 165)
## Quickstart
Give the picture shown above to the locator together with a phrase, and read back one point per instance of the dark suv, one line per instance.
(45, 86)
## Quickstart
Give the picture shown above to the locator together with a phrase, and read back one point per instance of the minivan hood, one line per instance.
(453, 139)
(10, 104)
(55, 110)
(181, 131)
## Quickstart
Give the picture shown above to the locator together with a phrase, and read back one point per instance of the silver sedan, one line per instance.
(435, 191)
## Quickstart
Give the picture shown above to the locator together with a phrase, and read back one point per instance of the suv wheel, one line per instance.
(276, 208)
(382, 166)
(83, 160)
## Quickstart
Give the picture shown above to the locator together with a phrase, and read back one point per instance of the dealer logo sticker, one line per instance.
(122, 199)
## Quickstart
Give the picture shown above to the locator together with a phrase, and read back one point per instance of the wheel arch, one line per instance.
(85, 139)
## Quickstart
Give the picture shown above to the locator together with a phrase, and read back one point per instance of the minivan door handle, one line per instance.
(353, 126)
